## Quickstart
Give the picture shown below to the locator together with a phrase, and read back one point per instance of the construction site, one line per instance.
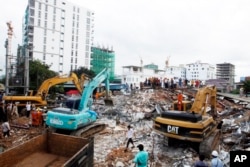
(140, 109)
(175, 124)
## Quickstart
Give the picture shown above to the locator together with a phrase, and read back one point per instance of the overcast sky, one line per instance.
(185, 31)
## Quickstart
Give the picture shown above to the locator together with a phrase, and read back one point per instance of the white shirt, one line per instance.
(130, 133)
(28, 107)
(5, 126)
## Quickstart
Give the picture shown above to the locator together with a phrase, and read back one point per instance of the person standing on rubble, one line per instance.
(6, 129)
(15, 110)
(130, 135)
(141, 158)
(28, 109)
(216, 162)
(200, 162)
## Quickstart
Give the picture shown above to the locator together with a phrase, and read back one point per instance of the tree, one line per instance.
(246, 86)
(85, 71)
(38, 72)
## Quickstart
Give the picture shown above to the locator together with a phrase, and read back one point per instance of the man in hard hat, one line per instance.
(216, 162)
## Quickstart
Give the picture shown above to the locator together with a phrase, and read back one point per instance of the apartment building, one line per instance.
(59, 34)
(200, 71)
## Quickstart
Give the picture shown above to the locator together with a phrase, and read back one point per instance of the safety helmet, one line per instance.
(215, 153)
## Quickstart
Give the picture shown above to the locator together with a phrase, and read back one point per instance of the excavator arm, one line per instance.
(39, 99)
(204, 97)
(86, 100)
(44, 88)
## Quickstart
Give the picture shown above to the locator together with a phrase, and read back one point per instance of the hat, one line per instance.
(140, 146)
(215, 153)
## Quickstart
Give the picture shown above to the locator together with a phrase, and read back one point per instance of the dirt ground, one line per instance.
(21, 131)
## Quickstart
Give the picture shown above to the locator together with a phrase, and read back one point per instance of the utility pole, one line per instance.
(8, 55)
(26, 74)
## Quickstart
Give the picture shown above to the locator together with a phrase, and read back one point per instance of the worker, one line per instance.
(130, 135)
(6, 129)
(28, 109)
(200, 162)
(141, 158)
(179, 98)
(15, 111)
(2, 112)
(216, 162)
(96, 95)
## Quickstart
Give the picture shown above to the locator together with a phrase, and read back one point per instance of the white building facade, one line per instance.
(200, 71)
(175, 72)
(59, 34)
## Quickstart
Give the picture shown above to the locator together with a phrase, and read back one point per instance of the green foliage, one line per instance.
(85, 71)
(246, 86)
(39, 72)
(235, 91)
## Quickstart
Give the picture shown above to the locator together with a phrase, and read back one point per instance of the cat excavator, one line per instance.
(39, 99)
(189, 121)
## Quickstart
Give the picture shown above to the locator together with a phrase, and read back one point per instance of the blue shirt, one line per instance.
(141, 159)
(216, 162)
(200, 164)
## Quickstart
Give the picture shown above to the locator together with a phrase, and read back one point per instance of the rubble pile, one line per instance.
(20, 132)
(137, 109)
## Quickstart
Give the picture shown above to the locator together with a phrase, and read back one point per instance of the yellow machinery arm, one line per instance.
(204, 97)
(39, 99)
(44, 88)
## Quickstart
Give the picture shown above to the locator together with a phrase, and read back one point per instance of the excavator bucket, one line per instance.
(108, 102)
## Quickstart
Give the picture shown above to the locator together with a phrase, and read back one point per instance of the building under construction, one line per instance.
(226, 71)
(103, 58)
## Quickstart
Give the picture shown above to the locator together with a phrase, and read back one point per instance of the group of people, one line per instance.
(141, 158)
(215, 162)
(8, 112)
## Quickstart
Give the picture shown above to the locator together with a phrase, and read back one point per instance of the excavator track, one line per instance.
(210, 143)
(89, 130)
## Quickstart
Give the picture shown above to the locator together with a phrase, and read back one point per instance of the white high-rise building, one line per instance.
(59, 34)
(200, 71)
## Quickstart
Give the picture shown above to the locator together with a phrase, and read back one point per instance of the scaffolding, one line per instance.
(103, 58)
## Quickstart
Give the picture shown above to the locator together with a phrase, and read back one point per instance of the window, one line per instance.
(39, 14)
(87, 48)
(88, 20)
(87, 55)
(87, 34)
(87, 41)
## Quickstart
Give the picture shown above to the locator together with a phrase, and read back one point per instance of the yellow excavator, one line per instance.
(39, 99)
(188, 121)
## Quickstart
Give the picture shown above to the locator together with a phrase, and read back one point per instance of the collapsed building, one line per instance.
(138, 110)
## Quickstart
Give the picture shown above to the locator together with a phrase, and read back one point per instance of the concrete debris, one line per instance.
(137, 109)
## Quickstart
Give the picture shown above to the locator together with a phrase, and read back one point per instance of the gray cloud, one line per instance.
(213, 31)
